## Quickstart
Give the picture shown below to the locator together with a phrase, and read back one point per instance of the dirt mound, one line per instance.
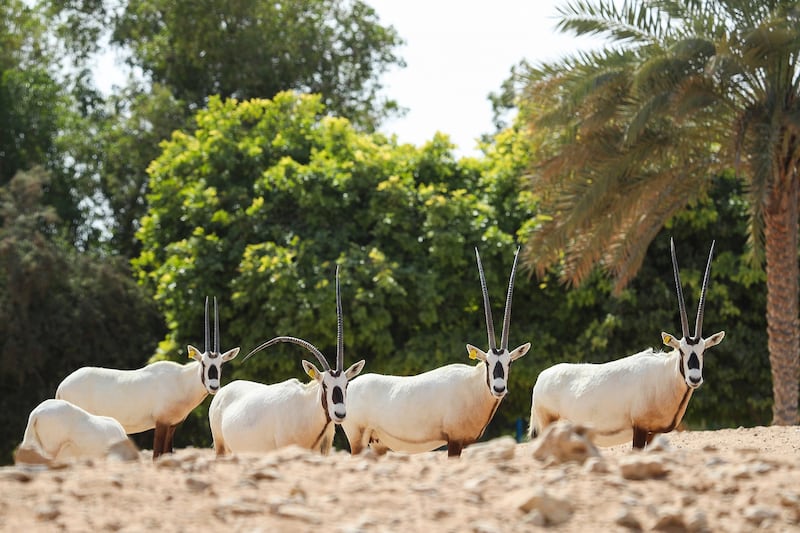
(726, 480)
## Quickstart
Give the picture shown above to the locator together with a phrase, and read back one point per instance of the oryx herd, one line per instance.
(625, 400)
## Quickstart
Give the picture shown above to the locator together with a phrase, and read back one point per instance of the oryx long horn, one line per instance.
(507, 315)
(216, 327)
(487, 308)
(305, 344)
(678, 287)
(208, 333)
(698, 327)
(340, 327)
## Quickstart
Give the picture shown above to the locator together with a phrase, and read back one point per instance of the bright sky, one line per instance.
(459, 51)
(456, 52)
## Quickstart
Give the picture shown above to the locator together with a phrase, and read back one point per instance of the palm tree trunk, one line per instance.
(783, 329)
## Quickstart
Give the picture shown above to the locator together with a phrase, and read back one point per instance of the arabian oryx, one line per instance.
(633, 398)
(449, 405)
(253, 417)
(160, 395)
(59, 431)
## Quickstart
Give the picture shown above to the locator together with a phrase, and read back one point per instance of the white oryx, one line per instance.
(246, 416)
(633, 398)
(160, 395)
(449, 405)
(59, 431)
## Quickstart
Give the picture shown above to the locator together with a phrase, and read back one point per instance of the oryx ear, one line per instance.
(194, 353)
(476, 353)
(670, 340)
(715, 339)
(230, 354)
(312, 370)
(520, 351)
(355, 369)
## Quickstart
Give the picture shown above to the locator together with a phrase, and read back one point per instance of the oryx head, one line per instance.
(211, 359)
(497, 360)
(692, 347)
(333, 381)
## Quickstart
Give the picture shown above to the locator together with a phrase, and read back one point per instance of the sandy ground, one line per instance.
(729, 480)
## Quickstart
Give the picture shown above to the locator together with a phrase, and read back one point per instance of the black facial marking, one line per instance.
(692, 341)
(497, 351)
(213, 373)
(498, 372)
(694, 362)
(337, 395)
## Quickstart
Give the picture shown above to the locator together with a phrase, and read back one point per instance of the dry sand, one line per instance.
(727, 480)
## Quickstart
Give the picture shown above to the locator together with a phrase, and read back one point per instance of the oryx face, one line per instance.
(334, 388)
(691, 348)
(691, 351)
(333, 382)
(211, 359)
(498, 360)
(211, 363)
(498, 363)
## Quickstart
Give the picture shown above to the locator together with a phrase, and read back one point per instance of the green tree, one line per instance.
(36, 108)
(185, 51)
(59, 310)
(638, 130)
(255, 49)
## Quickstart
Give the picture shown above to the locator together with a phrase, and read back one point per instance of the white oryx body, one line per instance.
(58, 431)
(253, 417)
(160, 395)
(449, 405)
(629, 399)
(409, 413)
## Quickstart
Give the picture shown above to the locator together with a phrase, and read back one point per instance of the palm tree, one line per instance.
(632, 133)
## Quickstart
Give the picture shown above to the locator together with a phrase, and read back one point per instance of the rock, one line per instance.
(497, 450)
(487, 527)
(564, 441)
(626, 518)
(195, 484)
(297, 512)
(595, 465)
(268, 474)
(758, 514)
(670, 521)
(640, 467)
(554, 510)
(47, 512)
(696, 522)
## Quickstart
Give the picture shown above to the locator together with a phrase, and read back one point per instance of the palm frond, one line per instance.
(629, 22)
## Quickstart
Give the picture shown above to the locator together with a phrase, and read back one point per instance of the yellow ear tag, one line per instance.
(311, 372)
(473, 354)
(667, 339)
